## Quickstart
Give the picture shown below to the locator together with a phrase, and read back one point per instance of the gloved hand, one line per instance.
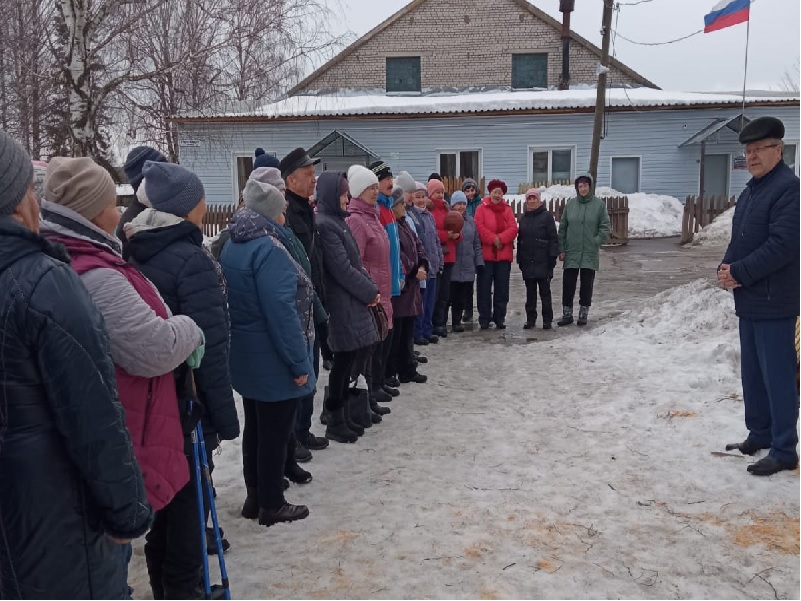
(194, 359)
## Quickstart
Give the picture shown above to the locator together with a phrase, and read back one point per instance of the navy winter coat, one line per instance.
(537, 244)
(348, 287)
(184, 274)
(68, 475)
(272, 327)
(763, 252)
(300, 219)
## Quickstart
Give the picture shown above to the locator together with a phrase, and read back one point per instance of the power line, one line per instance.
(622, 37)
(634, 3)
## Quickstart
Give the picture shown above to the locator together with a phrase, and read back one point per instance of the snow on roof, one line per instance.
(346, 104)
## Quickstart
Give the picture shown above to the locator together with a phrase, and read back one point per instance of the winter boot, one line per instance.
(380, 410)
(352, 425)
(324, 412)
(456, 322)
(337, 430)
(583, 312)
(567, 316)
(250, 509)
(381, 396)
(359, 402)
(296, 473)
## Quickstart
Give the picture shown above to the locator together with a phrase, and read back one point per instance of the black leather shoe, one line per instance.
(379, 409)
(381, 396)
(393, 392)
(529, 326)
(297, 474)
(211, 541)
(433, 339)
(500, 326)
(441, 332)
(547, 326)
(286, 513)
(421, 341)
(767, 466)
(457, 327)
(483, 326)
(392, 382)
(315, 443)
(416, 378)
(422, 359)
(747, 447)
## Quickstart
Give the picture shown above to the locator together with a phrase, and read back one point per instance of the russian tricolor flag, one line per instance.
(727, 13)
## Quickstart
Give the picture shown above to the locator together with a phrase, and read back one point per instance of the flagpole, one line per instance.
(745, 70)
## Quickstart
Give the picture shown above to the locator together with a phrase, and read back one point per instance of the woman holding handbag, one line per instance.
(350, 293)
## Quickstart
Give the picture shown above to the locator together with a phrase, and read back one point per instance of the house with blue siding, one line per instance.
(521, 111)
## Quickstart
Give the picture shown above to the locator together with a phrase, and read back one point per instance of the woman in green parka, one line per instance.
(583, 227)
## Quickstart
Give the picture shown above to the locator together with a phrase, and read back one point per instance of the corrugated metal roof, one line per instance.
(343, 105)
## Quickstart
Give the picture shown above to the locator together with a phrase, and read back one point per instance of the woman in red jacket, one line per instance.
(448, 240)
(497, 228)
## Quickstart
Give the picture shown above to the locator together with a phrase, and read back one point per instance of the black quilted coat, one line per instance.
(185, 276)
(68, 476)
(347, 285)
(537, 244)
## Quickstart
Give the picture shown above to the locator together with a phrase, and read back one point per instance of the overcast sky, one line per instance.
(705, 62)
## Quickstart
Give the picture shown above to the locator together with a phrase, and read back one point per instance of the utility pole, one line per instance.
(601, 95)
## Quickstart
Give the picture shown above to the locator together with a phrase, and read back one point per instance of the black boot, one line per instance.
(582, 319)
(456, 323)
(296, 473)
(337, 429)
(393, 392)
(567, 316)
(767, 466)
(381, 396)
(250, 509)
(324, 412)
(359, 409)
(285, 513)
(376, 408)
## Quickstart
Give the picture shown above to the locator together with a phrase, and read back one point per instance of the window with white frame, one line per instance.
(549, 165)
(243, 165)
(790, 156)
(460, 163)
(626, 174)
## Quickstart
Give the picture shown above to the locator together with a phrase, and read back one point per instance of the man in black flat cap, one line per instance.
(297, 169)
(761, 266)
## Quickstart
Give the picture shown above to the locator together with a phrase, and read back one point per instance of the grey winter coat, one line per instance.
(427, 232)
(468, 253)
(142, 343)
(348, 287)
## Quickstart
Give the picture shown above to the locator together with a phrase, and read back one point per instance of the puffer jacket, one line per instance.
(427, 232)
(468, 253)
(169, 251)
(300, 219)
(387, 219)
(348, 286)
(67, 467)
(272, 325)
(764, 248)
(496, 220)
(146, 345)
(374, 248)
(439, 211)
(413, 257)
(537, 244)
(583, 228)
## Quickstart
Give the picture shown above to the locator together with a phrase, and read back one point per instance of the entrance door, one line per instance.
(716, 174)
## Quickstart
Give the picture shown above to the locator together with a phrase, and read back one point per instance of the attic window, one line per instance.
(530, 70)
(403, 74)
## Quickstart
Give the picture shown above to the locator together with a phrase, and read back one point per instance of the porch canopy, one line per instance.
(735, 124)
(338, 144)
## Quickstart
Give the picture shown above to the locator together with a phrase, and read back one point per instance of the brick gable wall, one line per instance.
(462, 43)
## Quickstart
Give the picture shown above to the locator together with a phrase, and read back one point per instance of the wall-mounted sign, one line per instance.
(187, 143)
(739, 163)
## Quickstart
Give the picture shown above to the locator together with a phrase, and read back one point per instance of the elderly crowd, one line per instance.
(122, 333)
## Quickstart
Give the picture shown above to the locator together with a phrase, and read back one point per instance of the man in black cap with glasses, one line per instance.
(761, 267)
(298, 170)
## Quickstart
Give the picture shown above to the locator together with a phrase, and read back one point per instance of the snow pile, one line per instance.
(690, 325)
(716, 233)
(650, 215)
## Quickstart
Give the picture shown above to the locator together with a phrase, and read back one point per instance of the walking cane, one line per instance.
(201, 467)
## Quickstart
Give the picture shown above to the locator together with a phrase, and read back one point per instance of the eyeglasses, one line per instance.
(756, 149)
(469, 188)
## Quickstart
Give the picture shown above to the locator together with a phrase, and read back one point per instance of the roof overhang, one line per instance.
(735, 124)
(337, 135)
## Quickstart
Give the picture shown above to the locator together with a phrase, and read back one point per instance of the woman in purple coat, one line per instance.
(407, 306)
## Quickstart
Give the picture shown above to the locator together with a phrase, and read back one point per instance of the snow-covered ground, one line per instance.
(576, 463)
(716, 233)
(650, 215)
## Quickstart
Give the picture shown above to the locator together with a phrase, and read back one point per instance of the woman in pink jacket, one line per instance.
(497, 228)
